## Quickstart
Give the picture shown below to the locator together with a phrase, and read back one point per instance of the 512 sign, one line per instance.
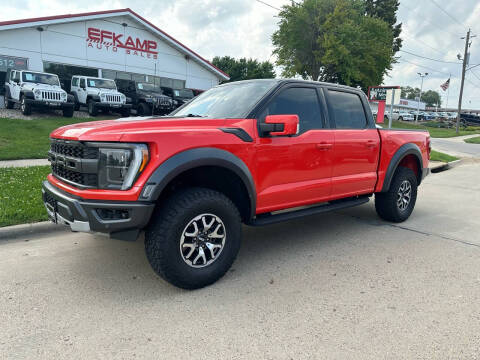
(8, 62)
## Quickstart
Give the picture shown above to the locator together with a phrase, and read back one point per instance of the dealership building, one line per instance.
(114, 44)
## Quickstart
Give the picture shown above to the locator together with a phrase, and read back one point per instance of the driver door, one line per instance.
(82, 92)
(15, 85)
(295, 170)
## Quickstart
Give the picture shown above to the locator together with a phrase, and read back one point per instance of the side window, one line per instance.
(75, 82)
(347, 110)
(300, 101)
(82, 82)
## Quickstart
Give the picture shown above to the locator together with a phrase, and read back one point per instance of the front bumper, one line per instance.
(49, 104)
(122, 220)
(112, 106)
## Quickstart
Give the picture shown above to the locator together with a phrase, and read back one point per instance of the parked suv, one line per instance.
(255, 152)
(146, 98)
(99, 94)
(179, 97)
(33, 89)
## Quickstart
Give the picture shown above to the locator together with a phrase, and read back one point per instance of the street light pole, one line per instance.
(420, 96)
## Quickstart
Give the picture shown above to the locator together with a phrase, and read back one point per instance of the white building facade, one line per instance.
(115, 44)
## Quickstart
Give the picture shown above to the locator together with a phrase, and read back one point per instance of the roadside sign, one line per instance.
(379, 93)
(396, 96)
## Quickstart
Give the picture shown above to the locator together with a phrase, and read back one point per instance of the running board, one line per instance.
(267, 219)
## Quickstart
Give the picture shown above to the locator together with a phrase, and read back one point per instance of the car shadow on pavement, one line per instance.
(122, 267)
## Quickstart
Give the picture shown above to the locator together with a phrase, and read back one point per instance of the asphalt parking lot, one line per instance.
(339, 286)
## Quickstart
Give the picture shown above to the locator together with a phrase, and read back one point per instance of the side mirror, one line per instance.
(280, 125)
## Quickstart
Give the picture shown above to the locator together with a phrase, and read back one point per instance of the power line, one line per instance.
(425, 67)
(471, 72)
(424, 43)
(447, 13)
(264, 3)
(430, 22)
(424, 57)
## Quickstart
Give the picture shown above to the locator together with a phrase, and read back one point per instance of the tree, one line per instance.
(333, 40)
(409, 93)
(244, 69)
(387, 11)
(432, 98)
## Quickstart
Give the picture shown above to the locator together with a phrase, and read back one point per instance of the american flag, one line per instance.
(445, 85)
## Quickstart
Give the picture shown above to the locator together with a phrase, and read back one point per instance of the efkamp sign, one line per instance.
(379, 93)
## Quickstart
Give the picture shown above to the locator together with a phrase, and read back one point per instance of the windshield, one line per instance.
(183, 93)
(148, 87)
(234, 100)
(40, 78)
(101, 83)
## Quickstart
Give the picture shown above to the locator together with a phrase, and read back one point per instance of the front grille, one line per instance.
(51, 95)
(49, 199)
(113, 98)
(71, 161)
(164, 102)
(77, 151)
(90, 180)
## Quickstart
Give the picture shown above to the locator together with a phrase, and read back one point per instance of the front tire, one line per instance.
(400, 118)
(26, 108)
(68, 112)
(193, 238)
(143, 109)
(398, 202)
(8, 104)
(92, 109)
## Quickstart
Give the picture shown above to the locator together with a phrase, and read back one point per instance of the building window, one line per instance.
(10, 62)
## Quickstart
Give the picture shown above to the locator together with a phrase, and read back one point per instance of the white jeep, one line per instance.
(98, 94)
(32, 89)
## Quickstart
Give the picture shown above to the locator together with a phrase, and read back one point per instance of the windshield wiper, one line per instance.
(193, 115)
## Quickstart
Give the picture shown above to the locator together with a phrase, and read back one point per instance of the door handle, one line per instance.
(324, 146)
(371, 143)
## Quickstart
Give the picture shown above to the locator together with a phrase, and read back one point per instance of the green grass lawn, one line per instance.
(29, 139)
(21, 195)
(439, 156)
(435, 132)
(474, 140)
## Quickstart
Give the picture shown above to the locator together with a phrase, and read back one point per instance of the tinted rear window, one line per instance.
(347, 110)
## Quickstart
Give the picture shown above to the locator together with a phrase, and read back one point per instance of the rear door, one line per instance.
(295, 170)
(357, 144)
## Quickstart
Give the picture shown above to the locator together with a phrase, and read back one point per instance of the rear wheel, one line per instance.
(24, 106)
(193, 238)
(92, 109)
(398, 202)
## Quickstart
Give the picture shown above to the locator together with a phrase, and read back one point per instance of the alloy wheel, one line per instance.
(404, 195)
(202, 240)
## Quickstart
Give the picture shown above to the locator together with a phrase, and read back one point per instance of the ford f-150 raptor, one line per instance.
(33, 89)
(253, 152)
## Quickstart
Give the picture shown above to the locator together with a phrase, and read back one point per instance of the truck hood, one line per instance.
(141, 129)
(35, 86)
(103, 91)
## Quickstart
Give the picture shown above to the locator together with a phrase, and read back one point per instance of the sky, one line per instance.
(243, 28)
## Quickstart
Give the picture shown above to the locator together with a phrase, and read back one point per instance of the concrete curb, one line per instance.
(446, 166)
(22, 230)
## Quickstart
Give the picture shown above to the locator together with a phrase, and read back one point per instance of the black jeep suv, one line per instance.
(147, 99)
(179, 97)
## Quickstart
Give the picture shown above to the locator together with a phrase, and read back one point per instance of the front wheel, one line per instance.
(400, 118)
(193, 238)
(68, 112)
(92, 109)
(398, 202)
(8, 104)
(24, 106)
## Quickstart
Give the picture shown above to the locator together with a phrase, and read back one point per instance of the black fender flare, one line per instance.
(28, 94)
(71, 98)
(75, 97)
(193, 158)
(404, 150)
(95, 98)
(7, 92)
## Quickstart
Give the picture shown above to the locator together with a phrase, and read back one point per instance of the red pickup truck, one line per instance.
(254, 152)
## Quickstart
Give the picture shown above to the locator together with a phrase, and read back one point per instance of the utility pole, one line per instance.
(464, 66)
(420, 96)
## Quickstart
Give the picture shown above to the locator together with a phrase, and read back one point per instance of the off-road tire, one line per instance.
(143, 109)
(68, 112)
(386, 203)
(24, 107)
(92, 109)
(400, 118)
(168, 222)
(125, 112)
(8, 104)
(76, 107)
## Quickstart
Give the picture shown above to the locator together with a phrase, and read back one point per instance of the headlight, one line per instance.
(123, 97)
(120, 164)
(64, 96)
(103, 97)
(38, 93)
